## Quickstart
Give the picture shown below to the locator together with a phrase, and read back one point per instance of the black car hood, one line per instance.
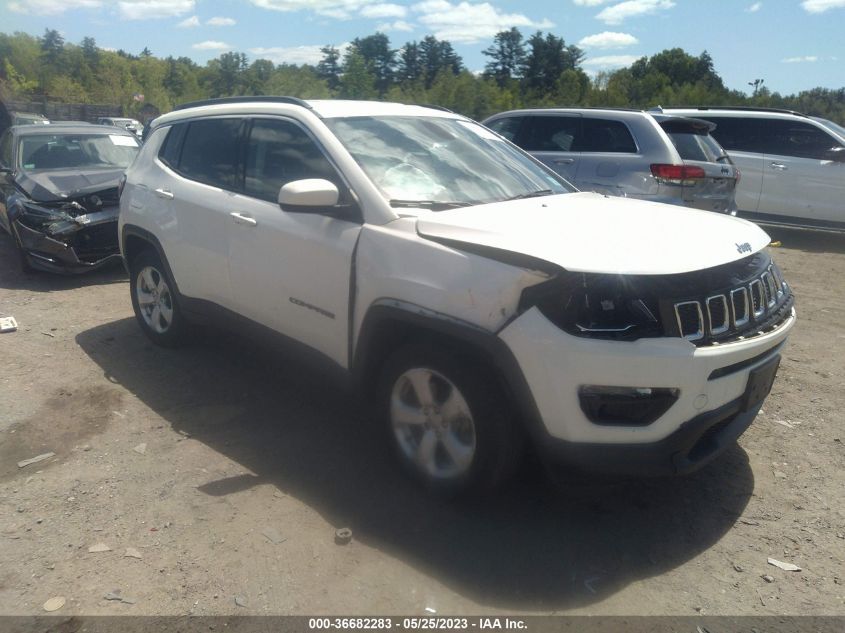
(58, 184)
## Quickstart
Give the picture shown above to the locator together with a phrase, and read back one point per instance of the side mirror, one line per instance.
(313, 195)
(836, 154)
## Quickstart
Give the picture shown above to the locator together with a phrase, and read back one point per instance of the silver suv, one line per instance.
(793, 165)
(628, 153)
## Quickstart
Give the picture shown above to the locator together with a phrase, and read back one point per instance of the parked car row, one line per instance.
(793, 165)
(480, 301)
(628, 153)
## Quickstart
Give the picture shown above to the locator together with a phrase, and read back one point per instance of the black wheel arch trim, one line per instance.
(487, 344)
(130, 230)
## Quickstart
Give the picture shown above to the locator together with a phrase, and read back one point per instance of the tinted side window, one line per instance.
(507, 127)
(550, 133)
(170, 149)
(796, 138)
(605, 135)
(210, 152)
(6, 150)
(279, 152)
(738, 133)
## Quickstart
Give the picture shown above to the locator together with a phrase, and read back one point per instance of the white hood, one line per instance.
(588, 232)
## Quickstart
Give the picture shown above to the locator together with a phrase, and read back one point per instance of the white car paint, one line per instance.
(589, 232)
(556, 364)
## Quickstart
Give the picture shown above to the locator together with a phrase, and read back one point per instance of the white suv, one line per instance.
(793, 165)
(470, 291)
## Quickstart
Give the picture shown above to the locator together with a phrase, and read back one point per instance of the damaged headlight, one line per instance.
(598, 306)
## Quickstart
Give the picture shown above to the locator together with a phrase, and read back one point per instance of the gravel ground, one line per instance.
(216, 476)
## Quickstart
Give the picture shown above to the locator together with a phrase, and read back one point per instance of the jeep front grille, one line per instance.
(756, 306)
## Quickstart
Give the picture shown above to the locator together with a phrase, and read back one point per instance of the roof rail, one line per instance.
(435, 107)
(260, 99)
(740, 108)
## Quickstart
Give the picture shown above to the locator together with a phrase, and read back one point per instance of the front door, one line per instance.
(290, 271)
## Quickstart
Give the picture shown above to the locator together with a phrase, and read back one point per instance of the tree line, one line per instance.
(541, 70)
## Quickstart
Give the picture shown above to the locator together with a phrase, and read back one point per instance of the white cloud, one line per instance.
(609, 61)
(608, 39)
(189, 23)
(211, 45)
(294, 54)
(52, 7)
(468, 22)
(590, 3)
(386, 10)
(800, 60)
(217, 21)
(820, 6)
(398, 25)
(754, 8)
(338, 9)
(618, 13)
(151, 9)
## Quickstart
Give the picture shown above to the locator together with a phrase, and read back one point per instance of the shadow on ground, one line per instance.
(534, 546)
(13, 278)
(807, 240)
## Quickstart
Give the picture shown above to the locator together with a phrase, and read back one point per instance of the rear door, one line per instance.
(550, 137)
(799, 181)
(610, 161)
(742, 138)
(194, 203)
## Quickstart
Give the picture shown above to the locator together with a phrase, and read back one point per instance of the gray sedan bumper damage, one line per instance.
(56, 240)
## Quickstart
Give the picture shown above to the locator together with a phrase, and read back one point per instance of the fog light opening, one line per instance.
(625, 406)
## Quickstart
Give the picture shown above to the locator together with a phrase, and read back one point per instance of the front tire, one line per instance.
(155, 302)
(449, 423)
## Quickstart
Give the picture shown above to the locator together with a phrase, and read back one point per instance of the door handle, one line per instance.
(779, 166)
(243, 219)
(564, 161)
(164, 193)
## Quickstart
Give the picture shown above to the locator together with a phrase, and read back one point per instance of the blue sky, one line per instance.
(792, 44)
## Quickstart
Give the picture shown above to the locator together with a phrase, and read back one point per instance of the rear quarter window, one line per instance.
(700, 147)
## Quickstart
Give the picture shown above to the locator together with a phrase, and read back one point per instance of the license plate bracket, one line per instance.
(760, 381)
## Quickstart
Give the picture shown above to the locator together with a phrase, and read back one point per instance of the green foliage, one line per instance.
(541, 72)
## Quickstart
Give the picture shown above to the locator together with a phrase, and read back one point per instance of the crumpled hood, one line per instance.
(588, 232)
(49, 186)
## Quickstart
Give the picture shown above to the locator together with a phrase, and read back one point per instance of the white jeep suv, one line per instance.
(793, 165)
(482, 302)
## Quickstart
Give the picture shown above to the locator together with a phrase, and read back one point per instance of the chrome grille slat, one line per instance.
(758, 298)
(771, 290)
(717, 314)
(739, 321)
(685, 312)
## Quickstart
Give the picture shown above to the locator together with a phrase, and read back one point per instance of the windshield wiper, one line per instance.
(531, 194)
(434, 205)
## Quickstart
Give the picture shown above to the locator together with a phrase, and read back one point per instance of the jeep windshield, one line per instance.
(440, 163)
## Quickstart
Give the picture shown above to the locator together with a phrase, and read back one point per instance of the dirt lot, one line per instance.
(228, 470)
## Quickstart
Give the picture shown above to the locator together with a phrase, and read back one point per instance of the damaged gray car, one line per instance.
(59, 193)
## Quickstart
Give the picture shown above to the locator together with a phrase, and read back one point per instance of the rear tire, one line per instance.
(448, 420)
(155, 302)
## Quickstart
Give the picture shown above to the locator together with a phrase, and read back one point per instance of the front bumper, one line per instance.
(49, 254)
(711, 411)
